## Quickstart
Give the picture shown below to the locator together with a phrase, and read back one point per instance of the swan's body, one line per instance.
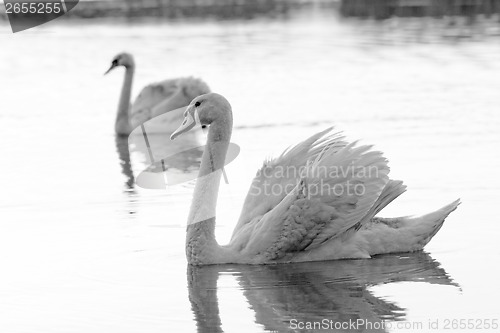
(302, 223)
(154, 99)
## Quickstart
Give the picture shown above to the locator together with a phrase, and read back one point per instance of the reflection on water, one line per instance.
(124, 159)
(307, 292)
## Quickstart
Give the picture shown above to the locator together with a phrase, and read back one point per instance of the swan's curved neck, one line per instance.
(201, 246)
(122, 125)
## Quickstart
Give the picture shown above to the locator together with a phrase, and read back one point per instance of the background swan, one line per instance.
(300, 224)
(154, 99)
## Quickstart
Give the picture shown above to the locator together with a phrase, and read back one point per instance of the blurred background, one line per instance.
(84, 248)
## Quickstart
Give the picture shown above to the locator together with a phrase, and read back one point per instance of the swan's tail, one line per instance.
(426, 226)
(405, 234)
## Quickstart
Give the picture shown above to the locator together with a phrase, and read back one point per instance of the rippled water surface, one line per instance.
(83, 249)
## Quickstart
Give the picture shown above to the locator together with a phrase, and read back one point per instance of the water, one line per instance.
(83, 249)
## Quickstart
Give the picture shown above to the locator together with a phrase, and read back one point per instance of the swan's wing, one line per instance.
(159, 98)
(185, 89)
(155, 93)
(284, 172)
(362, 178)
(149, 97)
(192, 87)
(336, 191)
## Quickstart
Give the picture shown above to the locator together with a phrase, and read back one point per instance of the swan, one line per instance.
(300, 224)
(154, 99)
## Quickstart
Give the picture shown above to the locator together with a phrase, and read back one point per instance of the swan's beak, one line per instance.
(113, 65)
(187, 124)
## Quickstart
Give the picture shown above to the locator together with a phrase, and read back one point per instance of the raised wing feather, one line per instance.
(337, 186)
(284, 172)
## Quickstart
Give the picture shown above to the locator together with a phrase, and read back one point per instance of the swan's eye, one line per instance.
(115, 62)
(197, 104)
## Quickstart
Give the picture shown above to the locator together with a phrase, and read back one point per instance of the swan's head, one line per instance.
(121, 59)
(205, 110)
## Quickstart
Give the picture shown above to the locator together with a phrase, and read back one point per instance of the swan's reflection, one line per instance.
(124, 158)
(335, 290)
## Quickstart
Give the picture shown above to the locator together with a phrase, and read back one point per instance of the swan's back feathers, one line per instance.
(153, 94)
(193, 87)
(361, 178)
(392, 190)
(283, 172)
(158, 98)
(337, 186)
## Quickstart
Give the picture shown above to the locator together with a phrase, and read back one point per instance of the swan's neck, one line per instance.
(122, 125)
(201, 246)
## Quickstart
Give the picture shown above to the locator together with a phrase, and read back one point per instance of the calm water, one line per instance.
(84, 250)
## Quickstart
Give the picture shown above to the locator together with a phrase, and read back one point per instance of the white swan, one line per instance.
(300, 223)
(154, 99)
